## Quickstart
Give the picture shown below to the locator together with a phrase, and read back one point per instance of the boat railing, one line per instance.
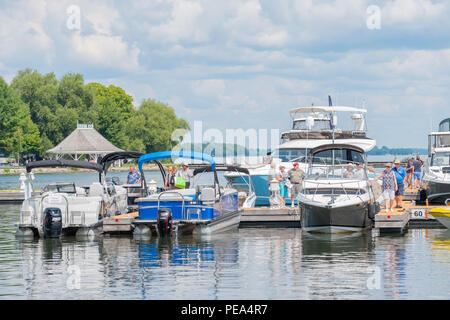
(182, 203)
(66, 216)
(340, 185)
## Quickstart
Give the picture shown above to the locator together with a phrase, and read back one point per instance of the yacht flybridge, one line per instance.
(311, 127)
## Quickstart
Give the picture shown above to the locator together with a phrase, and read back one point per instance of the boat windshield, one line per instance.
(60, 188)
(341, 157)
(349, 171)
(337, 164)
(287, 155)
(319, 124)
(440, 159)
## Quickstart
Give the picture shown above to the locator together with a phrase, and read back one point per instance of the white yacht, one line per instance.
(312, 127)
(336, 193)
(436, 178)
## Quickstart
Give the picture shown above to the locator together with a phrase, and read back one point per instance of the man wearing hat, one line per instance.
(400, 174)
(186, 174)
(296, 176)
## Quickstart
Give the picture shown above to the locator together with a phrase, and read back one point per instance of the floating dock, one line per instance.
(270, 217)
(411, 216)
(13, 196)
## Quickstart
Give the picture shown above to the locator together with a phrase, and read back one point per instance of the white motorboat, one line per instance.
(436, 178)
(65, 208)
(336, 193)
(312, 127)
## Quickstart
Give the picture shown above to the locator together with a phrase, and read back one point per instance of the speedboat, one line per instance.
(205, 208)
(312, 127)
(336, 193)
(65, 208)
(436, 178)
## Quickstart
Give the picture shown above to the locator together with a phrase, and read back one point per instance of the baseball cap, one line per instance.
(396, 161)
(295, 164)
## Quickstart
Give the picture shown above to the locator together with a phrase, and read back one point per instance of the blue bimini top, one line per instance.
(174, 155)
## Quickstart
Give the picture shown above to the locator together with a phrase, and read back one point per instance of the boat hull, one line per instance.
(442, 215)
(328, 219)
(438, 191)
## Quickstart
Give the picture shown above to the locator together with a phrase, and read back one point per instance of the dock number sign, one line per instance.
(418, 214)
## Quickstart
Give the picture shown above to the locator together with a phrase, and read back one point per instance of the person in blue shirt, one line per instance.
(400, 174)
(134, 177)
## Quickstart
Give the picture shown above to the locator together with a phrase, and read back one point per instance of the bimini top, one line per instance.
(221, 168)
(336, 147)
(64, 163)
(327, 109)
(175, 154)
(111, 157)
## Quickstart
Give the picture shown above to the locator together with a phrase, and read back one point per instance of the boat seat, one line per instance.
(96, 190)
(208, 196)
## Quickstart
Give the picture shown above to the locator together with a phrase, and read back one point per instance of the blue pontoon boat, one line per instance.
(204, 208)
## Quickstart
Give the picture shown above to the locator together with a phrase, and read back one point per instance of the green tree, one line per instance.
(153, 124)
(18, 133)
(112, 108)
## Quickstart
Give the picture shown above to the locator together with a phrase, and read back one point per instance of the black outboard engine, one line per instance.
(52, 223)
(164, 222)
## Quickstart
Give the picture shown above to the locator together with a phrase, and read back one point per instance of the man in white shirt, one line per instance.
(186, 174)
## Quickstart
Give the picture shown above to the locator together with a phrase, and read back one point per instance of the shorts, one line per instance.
(417, 175)
(296, 188)
(400, 189)
(388, 194)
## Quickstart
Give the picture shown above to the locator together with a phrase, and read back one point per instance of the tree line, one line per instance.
(37, 111)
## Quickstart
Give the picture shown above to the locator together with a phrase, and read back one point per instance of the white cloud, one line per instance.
(104, 51)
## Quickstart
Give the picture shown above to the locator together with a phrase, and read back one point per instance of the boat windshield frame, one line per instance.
(338, 169)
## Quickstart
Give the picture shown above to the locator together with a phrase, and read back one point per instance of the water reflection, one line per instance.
(243, 264)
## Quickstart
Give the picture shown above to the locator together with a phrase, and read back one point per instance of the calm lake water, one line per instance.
(242, 264)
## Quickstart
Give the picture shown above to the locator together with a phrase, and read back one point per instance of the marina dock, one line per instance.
(268, 217)
(411, 216)
(13, 196)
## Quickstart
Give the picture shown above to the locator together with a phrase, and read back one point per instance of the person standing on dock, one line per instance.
(410, 173)
(388, 186)
(418, 164)
(283, 187)
(134, 177)
(296, 176)
(400, 174)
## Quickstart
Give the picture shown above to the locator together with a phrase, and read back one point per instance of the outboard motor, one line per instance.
(164, 222)
(52, 223)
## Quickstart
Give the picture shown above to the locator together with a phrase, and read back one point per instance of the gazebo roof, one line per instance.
(84, 140)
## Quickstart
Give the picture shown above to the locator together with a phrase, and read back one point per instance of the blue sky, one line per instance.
(244, 64)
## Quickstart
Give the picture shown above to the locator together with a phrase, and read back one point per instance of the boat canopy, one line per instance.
(108, 159)
(175, 154)
(64, 163)
(327, 109)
